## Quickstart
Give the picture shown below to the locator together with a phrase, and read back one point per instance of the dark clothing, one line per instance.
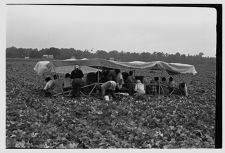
(154, 88)
(77, 73)
(76, 84)
(130, 84)
(67, 89)
(111, 75)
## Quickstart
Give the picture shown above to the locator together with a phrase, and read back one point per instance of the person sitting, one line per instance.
(139, 88)
(130, 83)
(164, 86)
(53, 86)
(154, 85)
(77, 82)
(67, 82)
(171, 84)
(48, 85)
(163, 80)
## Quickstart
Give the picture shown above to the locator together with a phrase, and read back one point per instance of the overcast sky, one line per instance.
(134, 29)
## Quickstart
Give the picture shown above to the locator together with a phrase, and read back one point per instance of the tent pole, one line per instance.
(98, 74)
(161, 71)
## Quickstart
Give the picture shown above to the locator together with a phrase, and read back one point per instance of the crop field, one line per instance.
(35, 121)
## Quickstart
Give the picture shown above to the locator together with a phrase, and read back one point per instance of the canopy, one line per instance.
(70, 68)
(44, 67)
(171, 68)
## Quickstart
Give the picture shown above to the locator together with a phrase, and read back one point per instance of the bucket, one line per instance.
(106, 98)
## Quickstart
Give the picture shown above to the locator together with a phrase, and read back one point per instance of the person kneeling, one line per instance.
(53, 86)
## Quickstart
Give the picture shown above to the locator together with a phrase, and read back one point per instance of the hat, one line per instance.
(76, 66)
(138, 81)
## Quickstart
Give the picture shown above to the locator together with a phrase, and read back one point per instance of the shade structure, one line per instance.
(70, 68)
(43, 67)
(171, 68)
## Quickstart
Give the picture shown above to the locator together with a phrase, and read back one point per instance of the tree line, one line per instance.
(65, 53)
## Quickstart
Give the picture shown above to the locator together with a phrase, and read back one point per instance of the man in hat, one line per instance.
(77, 76)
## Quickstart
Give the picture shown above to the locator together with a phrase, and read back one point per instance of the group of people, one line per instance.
(111, 81)
(71, 81)
(156, 84)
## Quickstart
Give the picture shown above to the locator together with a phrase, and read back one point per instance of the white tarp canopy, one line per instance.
(70, 68)
(90, 65)
(44, 67)
(171, 68)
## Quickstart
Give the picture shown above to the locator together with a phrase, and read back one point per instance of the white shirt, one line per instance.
(54, 86)
(119, 79)
(48, 84)
(140, 88)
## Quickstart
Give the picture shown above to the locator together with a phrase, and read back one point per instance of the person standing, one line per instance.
(131, 83)
(77, 76)
(119, 79)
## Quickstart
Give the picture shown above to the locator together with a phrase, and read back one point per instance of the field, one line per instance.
(34, 121)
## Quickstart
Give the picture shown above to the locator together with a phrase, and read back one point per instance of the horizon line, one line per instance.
(94, 51)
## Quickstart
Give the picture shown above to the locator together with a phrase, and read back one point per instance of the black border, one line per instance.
(218, 7)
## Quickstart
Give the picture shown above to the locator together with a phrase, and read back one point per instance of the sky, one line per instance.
(134, 29)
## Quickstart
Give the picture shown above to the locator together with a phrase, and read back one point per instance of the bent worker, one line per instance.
(53, 86)
(77, 76)
(109, 87)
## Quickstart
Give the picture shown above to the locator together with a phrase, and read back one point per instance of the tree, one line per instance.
(200, 54)
(64, 53)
